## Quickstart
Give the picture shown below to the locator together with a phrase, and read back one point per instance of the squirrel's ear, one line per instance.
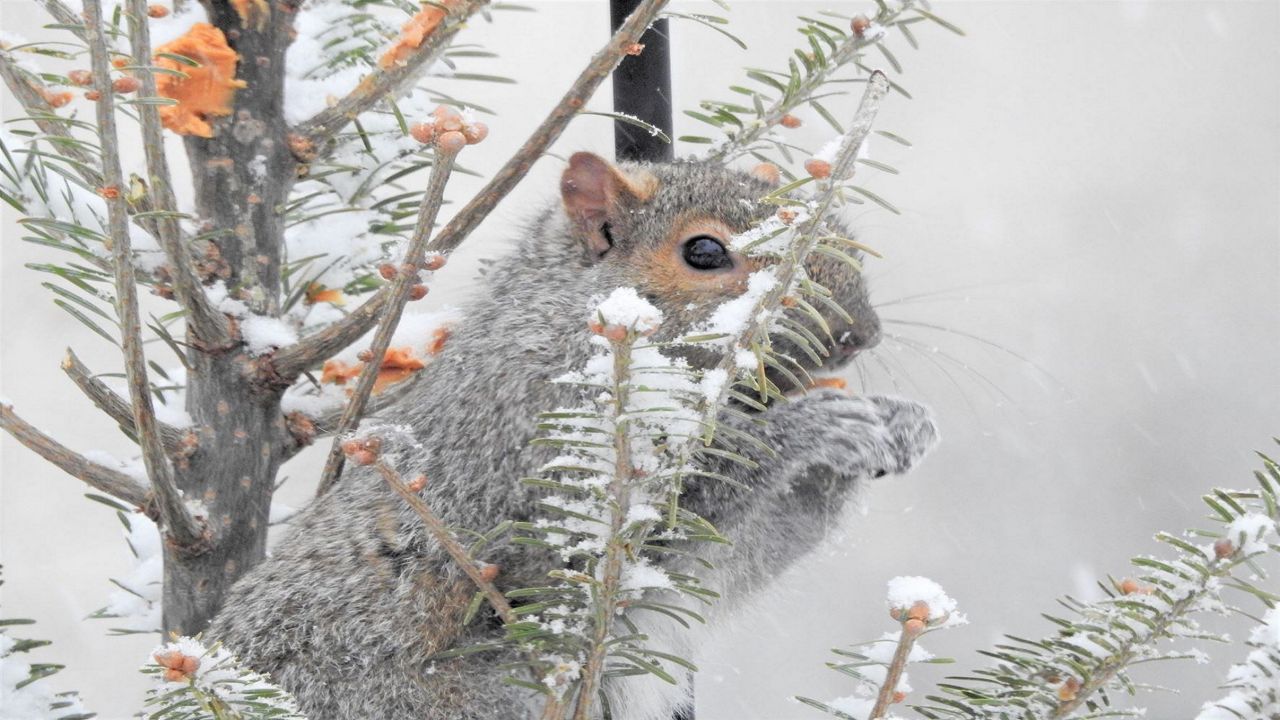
(594, 191)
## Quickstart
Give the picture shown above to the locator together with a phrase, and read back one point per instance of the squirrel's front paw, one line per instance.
(864, 436)
(910, 429)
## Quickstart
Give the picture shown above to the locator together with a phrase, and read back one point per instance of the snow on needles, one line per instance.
(625, 307)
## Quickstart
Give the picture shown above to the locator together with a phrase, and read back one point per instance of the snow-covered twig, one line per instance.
(406, 278)
(321, 128)
(207, 324)
(208, 683)
(178, 521)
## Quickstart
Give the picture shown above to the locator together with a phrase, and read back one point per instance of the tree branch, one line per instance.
(848, 51)
(911, 631)
(399, 293)
(204, 320)
(324, 125)
(178, 520)
(116, 407)
(289, 362)
(26, 90)
(442, 535)
(98, 477)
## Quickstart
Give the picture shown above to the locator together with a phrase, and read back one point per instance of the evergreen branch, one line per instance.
(205, 322)
(606, 600)
(893, 674)
(405, 280)
(99, 477)
(26, 90)
(318, 130)
(116, 407)
(441, 533)
(66, 16)
(793, 97)
(291, 361)
(181, 525)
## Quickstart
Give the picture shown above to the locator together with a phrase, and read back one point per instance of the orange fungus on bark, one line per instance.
(207, 90)
(414, 32)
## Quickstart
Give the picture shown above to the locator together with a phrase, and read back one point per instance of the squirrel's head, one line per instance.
(666, 229)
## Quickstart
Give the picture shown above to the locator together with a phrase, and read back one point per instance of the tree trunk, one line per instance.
(242, 177)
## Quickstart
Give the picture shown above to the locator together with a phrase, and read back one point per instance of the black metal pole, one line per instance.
(642, 87)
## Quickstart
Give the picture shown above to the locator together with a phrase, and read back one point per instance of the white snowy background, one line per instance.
(1093, 188)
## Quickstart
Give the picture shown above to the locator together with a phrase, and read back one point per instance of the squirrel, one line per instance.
(351, 608)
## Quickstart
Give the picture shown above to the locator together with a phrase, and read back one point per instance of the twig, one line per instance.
(406, 278)
(911, 631)
(606, 600)
(98, 477)
(442, 535)
(178, 521)
(848, 51)
(204, 320)
(109, 402)
(24, 89)
(350, 328)
(324, 125)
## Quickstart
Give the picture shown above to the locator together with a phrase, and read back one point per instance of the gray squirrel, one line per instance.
(350, 609)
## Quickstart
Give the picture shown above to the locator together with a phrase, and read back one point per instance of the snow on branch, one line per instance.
(1253, 685)
(25, 693)
(195, 682)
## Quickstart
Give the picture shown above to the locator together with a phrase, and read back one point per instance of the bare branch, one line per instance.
(321, 128)
(443, 536)
(911, 631)
(178, 521)
(289, 361)
(203, 319)
(98, 477)
(109, 402)
(399, 291)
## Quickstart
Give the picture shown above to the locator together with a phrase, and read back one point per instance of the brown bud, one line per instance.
(790, 121)
(157, 11)
(895, 613)
(767, 172)
(373, 444)
(416, 484)
(919, 610)
(913, 627)
(489, 573)
(93, 95)
(787, 215)
(451, 142)
(363, 457)
(475, 132)
(417, 292)
(635, 48)
(423, 132)
(819, 169)
(174, 675)
(1068, 690)
(387, 271)
(433, 262)
(125, 85)
(55, 99)
(83, 78)
(119, 62)
(596, 327)
(1223, 549)
(860, 25)
(190, 664)
(351, 447)
(110, 192)
(899, 696)
(364, 355)
(449, 123)
(615, 333)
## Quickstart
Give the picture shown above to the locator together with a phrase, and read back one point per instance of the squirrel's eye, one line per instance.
(706, 253)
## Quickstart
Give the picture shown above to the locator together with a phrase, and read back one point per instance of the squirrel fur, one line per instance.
(349, 610)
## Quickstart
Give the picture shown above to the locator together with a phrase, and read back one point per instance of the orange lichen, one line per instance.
(317, 293)
(397, 364)
(414, 32)
(438, 338)
(830, 382)
(206, 91)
